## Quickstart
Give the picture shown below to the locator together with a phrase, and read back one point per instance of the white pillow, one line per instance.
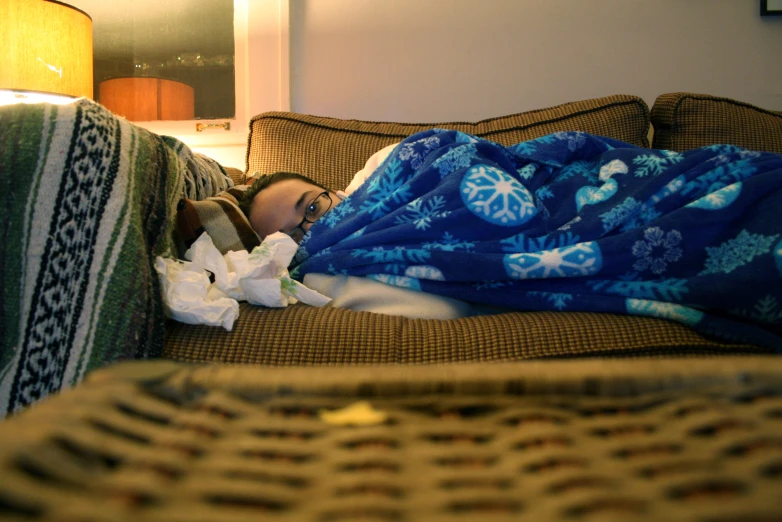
(369, 167)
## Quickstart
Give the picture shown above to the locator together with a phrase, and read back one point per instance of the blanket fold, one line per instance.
(570, 221)
(88, 200)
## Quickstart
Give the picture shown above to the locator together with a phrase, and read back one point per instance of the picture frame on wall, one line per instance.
(770, 7)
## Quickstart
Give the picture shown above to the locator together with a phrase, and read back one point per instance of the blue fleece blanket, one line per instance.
(571, 222)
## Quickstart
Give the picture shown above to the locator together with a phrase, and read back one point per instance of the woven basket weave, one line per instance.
(561, 440)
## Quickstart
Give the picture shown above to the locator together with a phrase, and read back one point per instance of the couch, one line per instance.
(335, 414)
(332, 150)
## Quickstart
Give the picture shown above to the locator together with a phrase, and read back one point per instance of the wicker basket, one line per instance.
(642, 439)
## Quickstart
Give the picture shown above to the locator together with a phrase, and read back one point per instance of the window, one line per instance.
(250, 34)
(182, 49)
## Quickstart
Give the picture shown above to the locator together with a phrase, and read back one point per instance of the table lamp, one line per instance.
(46, 52)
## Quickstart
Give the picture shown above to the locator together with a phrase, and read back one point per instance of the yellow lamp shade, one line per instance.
(47, 47)
(148, 99)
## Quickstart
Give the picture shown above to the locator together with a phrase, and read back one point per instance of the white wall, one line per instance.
(439, 60)
(262, 64)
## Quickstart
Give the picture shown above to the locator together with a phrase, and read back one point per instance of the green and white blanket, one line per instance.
(87, 200)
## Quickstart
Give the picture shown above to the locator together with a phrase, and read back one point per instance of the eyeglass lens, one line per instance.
(315, 211)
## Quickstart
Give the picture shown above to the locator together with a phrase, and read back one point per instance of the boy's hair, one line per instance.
(263, 182)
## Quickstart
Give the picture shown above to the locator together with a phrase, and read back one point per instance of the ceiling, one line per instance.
(159, 28)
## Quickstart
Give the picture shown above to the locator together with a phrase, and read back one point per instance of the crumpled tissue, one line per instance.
(259, 277)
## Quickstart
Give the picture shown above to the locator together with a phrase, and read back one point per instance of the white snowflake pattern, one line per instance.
(766, 310)
(577, 260)
(671, 188)
(658, 249)
(612, 168)
(727, 153)
(449, 244)
(646, 214)
(662, 290)
(719, 177)
(337, 213)
(737, 252)
(521, 243)
(421, 213)
(619, 214)
(575, 140)
(557, 300)
(674, 312)
(527, 148)
(416, 151)
(455, 159)
(527, 171)
(397, 280)
(544, 192)
(333, 270)
(719, 199)
(651, 165)
(590, 195)
(429, 272)
(494, 196)
(570, 223)
(490, 285)
(396, 254)
(387, 190)
(583, 168)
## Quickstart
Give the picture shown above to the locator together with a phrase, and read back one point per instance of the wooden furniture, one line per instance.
(148, 99)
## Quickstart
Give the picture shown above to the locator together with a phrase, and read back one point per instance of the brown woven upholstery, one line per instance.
(640, 440)
(220, 217)
(331, 150)
(237, 176)
(303, 335)
(684, 121)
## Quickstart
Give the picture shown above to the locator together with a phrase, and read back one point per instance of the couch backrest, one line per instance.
(332, 150)
(684, 121)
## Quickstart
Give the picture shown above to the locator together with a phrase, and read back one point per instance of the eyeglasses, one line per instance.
(315, 210)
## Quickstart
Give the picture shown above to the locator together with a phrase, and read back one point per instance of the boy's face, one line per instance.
(281, 206)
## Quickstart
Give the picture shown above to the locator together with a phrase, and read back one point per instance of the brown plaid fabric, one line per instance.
(220, 217)
(304, 335)
(331, 150)
(684, 121)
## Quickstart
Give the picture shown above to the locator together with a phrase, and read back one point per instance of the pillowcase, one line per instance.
(218, 216)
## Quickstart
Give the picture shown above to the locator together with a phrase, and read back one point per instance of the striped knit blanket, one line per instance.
(87, 200)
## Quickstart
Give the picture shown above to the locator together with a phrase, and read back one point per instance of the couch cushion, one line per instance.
(305, 335)
(236, 175)
(332, 150)
(684, 121)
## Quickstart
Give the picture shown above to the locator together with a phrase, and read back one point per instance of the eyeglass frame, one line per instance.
(305, 220)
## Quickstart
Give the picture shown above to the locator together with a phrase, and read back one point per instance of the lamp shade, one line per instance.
(47, 47)
(148, 99)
